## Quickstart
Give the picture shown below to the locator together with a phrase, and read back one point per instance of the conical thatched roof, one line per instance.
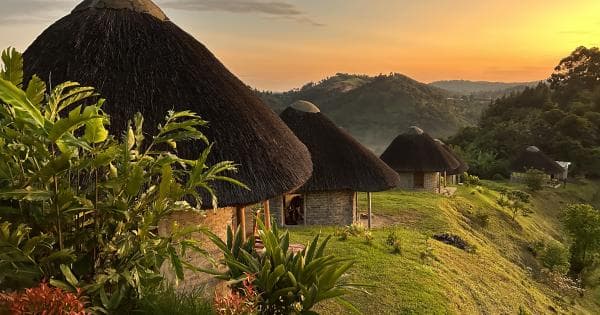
(533, 158)
(340, 162)
(140, 61)
(416, 151)
(462, 167)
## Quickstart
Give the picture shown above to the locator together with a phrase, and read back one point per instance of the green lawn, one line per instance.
(491, 280)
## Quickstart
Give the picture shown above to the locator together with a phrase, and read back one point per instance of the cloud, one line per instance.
(40, 11)
(277, 9)
(33, 11)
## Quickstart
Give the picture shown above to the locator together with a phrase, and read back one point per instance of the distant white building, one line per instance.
(565, 166)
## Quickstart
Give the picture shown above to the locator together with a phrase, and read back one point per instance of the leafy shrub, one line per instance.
(537, 248)
(42, 299)
(516, 201)
(286, 282)
(167, 301)
(471, 180)
(555, 257)
(534, 179)
(78, 197)
(582, 222)
(391, 238)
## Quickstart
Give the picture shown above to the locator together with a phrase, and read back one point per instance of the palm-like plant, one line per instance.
(87, 205)
(288, 282)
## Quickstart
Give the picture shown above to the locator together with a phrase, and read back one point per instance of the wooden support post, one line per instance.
(240, 217)
(304, 199)
(267, 209)
(445, 179)
(370, 209)
(356, 213)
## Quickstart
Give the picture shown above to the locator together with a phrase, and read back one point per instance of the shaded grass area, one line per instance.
(430, 277)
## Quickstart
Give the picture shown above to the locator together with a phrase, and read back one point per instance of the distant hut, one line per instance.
(342, 167)
(140, 61)
(453, 176)
(419, 160)
(533, 158)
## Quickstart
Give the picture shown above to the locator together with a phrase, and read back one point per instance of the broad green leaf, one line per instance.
(69, 276)
(94, 129)
(24, 109)
(13, 67)
(36, 89)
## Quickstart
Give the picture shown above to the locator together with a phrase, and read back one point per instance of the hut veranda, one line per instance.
(533, 158)
(140, 61)
(341, 168)
(420, 161)
(453, 177)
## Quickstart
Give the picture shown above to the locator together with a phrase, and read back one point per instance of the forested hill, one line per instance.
(376, 109)
(561, 117)
(466, 87)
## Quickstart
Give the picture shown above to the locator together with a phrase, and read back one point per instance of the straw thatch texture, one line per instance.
(462, 167)
(340, 162)
(141, 63)
(533, 158)
(416, 151)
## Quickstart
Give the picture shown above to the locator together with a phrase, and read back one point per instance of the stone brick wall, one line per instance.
(431, 182)
(322, 208)
(330, 208)
(217, 222)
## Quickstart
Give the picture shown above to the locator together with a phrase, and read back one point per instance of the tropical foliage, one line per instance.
(81, 207)
(287, 282)
(582, 222)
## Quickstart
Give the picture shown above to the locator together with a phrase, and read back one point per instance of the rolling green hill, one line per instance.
(499, 276)
(376, 109)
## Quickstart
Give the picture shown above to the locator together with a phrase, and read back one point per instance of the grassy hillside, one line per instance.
(430, 277)
(376, 109)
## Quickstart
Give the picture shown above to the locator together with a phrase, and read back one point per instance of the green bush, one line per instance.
(582, 222)
(516, 201)
(471, 180)
(287, 282)
(555, 256)
(534, 179)
(83, 207)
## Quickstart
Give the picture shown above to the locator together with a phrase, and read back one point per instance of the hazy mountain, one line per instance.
(377, 109)
(483, 89)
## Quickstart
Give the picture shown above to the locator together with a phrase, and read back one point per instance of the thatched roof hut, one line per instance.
(340, 162)
(462, 167)
(416, 151)
(142, 62)
(533, 158)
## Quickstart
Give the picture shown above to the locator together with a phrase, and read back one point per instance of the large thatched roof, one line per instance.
(416, 151)
(533, 158)
(140, 61)
(340, 162)
(462, 167)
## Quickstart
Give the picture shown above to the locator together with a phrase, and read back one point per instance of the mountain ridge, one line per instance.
(375, 109)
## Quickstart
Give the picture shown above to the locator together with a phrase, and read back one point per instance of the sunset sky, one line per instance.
(279, 45)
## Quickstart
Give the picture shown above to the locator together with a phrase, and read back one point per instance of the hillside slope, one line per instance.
(430, 277)
(377, 109)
